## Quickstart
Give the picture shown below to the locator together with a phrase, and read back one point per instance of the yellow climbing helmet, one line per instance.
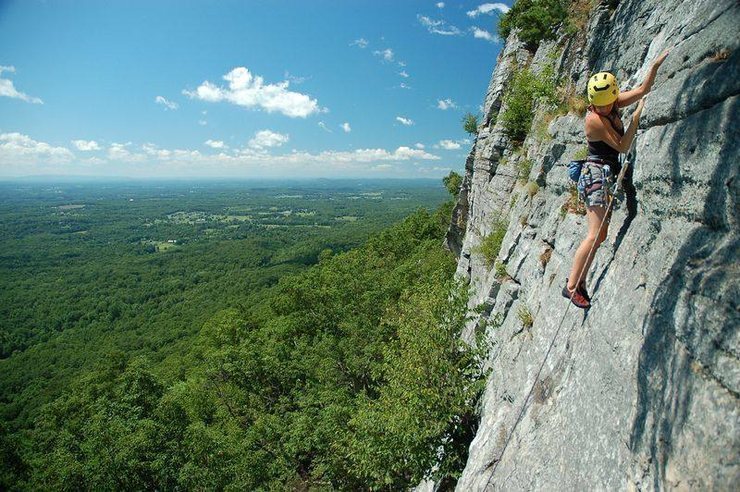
(602, 89)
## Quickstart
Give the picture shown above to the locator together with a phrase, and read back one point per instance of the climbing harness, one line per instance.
(496, 461)
(585, 182)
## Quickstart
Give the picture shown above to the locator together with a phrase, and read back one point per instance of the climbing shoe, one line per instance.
(576, 298)
(582, 289)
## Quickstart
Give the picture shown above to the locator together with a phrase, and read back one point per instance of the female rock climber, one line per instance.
(606, 139)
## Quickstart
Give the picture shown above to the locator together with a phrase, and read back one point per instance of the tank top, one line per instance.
(602, 149)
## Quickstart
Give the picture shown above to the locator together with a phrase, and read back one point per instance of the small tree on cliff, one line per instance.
(470, 123)
(452, 182)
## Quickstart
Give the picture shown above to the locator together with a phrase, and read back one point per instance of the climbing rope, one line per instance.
(560, 324)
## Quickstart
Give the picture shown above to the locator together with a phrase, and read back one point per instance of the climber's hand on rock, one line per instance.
(659, 61)
(640, 105)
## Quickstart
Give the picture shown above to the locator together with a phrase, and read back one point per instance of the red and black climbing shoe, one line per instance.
(582, 289)
(576, 297)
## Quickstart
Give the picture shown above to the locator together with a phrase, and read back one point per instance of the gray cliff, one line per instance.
(641, 391)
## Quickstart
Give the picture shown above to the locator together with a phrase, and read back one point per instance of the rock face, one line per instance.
(641, 391)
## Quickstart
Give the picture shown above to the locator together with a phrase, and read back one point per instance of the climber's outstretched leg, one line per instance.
(585, 254)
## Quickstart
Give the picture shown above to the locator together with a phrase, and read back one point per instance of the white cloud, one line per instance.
(438, 26)
(294, 79)
(152, 150)
(445, 104)
(448, 145)
(488, 8)
(267, 138)
(404, 153)
(481, 34)
(419, 145)
(7, 88)
(21, 155)
(361, 43)
(387, 54)
(86, 145)
(215, 144)
(345, 126)
(202, 122)
(16, 148)
(184, 155)
(120, 152)
(404, 121)
(403, 74)
(366, 155)
(164, 102)
(251, 91)
(440, 5)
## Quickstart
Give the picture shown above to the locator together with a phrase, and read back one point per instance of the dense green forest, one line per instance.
(231, 337)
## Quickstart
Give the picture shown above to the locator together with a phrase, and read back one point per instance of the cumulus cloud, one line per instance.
(164, 102)
(16, 148)
(419, 145)
(440, 5)
(481, 34)
(21, 154)
(345, 158)
(366, 155)
(403, 74)
(245, 89)
(438, 26)
(448, 145)
(445, 104)
(386, 54)
(360, 43)
(488, 8)
(266, 139)
(215, 144)
(404, 121)
(152, 151)
(404, 153)
(345, 126)
(121, 152)
(7, 88)
(86, 145)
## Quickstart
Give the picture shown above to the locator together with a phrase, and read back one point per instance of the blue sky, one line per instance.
(241, 88)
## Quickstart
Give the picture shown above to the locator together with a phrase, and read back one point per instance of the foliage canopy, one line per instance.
(349, 374)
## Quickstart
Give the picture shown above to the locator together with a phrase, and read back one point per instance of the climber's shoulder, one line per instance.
(595, 125)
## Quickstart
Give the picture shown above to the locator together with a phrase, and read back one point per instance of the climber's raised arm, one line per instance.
(630, 97)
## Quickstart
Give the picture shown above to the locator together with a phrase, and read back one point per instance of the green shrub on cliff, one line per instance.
(490, 245)
(536, 20)
(525, 91)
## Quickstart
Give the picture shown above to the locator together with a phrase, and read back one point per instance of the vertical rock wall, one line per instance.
(641, 391)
